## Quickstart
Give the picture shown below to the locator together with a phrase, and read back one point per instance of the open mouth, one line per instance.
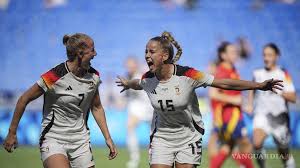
(150, 64)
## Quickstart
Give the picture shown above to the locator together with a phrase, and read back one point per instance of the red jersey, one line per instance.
(225, 113)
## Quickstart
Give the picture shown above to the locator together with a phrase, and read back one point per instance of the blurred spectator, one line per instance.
(54, 3)
(189, 4)
(258, 4)
(4, 4)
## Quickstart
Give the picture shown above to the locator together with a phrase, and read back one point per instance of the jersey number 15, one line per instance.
(169, 105)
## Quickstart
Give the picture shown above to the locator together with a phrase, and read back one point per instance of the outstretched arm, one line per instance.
(128, 84)
(99, 115)
(31, 94)
(233, 84)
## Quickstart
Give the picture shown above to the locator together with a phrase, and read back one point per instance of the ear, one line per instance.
(165, 56)
(80, 54)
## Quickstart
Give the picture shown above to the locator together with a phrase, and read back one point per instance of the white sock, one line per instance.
(290, 163)
(133, 148)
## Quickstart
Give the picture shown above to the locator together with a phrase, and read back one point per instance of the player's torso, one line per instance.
(171, 101)
(66, 105)
(267, 101)
(221, 110)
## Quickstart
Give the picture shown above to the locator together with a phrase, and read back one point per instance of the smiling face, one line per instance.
(88, 54)
(155, 56)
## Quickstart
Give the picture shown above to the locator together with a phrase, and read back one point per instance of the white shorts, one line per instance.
(277, 126)
(79, 155)
(190, 153)
(140, 109)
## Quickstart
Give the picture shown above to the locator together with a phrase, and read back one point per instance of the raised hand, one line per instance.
(271, 85)
(123, 83)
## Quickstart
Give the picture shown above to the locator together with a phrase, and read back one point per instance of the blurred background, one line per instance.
(31, 34)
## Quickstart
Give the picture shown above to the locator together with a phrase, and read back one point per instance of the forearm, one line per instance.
(289, 96)
(232, 84)
(19, 110)
(100, 118)
(134, 84)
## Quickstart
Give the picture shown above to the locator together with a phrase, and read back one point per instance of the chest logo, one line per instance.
(69, 88)
(92, 84)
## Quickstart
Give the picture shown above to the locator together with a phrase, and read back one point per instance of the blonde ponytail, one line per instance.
(167, 35)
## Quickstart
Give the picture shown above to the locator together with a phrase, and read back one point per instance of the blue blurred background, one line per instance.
(31, 34)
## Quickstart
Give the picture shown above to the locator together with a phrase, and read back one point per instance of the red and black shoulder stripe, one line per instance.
(188, 72)
(148, 75)
(94, 71)
(54, 74)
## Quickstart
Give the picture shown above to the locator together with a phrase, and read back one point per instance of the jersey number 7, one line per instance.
(169, 105)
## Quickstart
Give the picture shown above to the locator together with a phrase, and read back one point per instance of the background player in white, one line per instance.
(70, 91)
(271, 110)
(178, 128)
(139, 109)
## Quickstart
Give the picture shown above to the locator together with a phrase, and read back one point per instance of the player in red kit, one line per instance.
(229, 127)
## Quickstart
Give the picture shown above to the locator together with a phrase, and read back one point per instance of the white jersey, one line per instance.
(67, 102)
(175, 104)
(138, 103)
(267, 101)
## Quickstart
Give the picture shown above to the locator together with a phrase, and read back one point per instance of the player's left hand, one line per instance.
(271, 85)
(113, 149)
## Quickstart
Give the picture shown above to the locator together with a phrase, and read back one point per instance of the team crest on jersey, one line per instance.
(177, 90)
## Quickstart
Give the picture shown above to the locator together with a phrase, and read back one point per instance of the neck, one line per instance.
(75, 68)
(271, 68)
(165, 72)
(227, 64)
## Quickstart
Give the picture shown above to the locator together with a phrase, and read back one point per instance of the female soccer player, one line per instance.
(178, 128)
(270, 110)
(70, 90)
(229, 126)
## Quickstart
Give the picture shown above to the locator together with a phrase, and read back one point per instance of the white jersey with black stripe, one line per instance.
(67, 102)
(266, 101)
(176, 110)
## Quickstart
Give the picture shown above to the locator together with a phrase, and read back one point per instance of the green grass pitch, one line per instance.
(29, 157)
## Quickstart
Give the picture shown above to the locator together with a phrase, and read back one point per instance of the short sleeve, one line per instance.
(198, 78)
(42, 84)
(288, 83)
(145, 82)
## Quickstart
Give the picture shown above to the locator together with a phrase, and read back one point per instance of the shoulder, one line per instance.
(257, 71)
(188, 72)
(183, 70)
(54, 74)
(57, 72)
(148, 75)
(285, 72)
(94, 71)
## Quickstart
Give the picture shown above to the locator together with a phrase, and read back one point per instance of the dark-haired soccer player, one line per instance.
(270, 110)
